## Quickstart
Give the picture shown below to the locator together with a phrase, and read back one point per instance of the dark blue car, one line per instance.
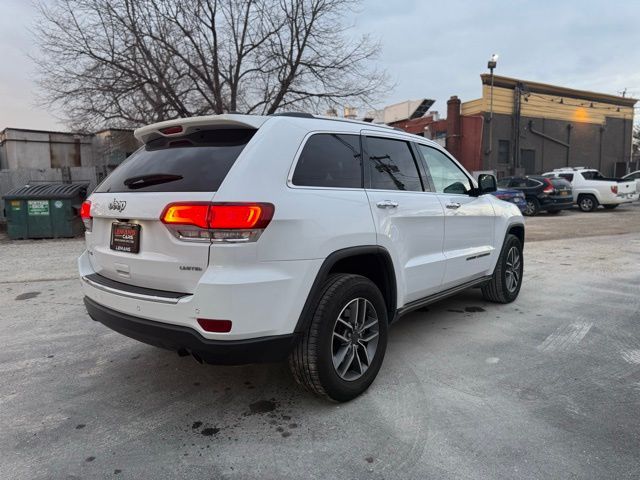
(513, 196)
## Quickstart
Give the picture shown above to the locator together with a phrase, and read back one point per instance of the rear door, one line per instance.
(130, 202)
(469, 220)
(408, 217)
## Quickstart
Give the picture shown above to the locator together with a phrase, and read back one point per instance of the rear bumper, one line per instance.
(184, 339)
(561, 203)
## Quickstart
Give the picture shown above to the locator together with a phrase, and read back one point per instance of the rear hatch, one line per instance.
(128, 242)
(561, 188)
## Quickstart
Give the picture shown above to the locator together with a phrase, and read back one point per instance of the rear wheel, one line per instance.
(506, 281)
(342, 350)
(610, 207)
(587, 203)
(532, 208)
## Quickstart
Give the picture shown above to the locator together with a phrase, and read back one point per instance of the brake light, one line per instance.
(85, 215)
(218, 222)
(196, 214)
(614, 189)
(171, 130)
(549, 189)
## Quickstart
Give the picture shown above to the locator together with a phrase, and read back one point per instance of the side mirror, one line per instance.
(486, 183)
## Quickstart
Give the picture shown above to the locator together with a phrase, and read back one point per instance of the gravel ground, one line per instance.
(546, 387)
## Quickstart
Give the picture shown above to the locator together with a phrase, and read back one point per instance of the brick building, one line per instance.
(518, 126)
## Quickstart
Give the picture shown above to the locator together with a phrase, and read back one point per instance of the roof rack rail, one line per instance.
(570, 169)
(293, 114)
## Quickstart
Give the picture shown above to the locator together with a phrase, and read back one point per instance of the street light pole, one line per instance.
(491, 65)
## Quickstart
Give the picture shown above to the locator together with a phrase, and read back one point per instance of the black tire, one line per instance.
(311, 361)
(554, 212)
(587, 203)
(532, 208)
(496, 290)
(610, 207)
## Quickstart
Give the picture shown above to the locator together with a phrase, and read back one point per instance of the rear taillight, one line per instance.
(217, 222)
(85, 214)
(614, 189)
(549, 189)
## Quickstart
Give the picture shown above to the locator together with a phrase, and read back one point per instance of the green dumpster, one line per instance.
(45, 210)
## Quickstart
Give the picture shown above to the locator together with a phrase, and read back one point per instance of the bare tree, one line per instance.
(130, 62)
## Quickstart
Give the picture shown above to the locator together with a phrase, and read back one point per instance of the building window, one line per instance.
(503, 151)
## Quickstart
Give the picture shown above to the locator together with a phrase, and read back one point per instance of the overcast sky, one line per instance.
(431, 49)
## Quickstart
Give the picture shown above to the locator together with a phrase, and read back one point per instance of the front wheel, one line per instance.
(340, 353)
(506, 280)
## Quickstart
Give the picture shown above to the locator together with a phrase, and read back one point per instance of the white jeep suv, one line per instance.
(240, 239)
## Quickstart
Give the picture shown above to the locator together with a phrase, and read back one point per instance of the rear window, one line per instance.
(567, 176)
(559, 182)
(593, 175)
(198, 162)
(330, 160)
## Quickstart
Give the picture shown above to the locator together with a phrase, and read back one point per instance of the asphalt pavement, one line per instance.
(546, 387)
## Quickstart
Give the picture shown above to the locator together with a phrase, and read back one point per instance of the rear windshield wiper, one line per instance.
(151, 179)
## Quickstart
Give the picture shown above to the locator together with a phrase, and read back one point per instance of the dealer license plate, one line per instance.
(125, 237)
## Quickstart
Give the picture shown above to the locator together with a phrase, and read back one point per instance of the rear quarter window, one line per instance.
(197, 162)
(330, 160)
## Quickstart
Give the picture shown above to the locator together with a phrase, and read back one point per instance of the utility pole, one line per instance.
(491, 65)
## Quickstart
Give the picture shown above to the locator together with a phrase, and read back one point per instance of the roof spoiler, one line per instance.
(184, 126)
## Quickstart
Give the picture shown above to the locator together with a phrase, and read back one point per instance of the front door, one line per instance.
(409, 219)
(469, 220)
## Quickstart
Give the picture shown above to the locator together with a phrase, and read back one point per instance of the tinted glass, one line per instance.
(519, 182)
(531, 183)
(567, 176)
(593, 175)
(504, 183)
(329, 160)
(392, 165)
(198, 162)
(560, 183)
(445, 174)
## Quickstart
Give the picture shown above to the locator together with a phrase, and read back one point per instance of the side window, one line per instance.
(330, 160)
(392, 165)
(567, 176)
(504, 183)
(446, 175)
(532, 183)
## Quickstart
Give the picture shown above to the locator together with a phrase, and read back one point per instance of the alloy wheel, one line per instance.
(512, 270)
(530, 208)
(355, 339)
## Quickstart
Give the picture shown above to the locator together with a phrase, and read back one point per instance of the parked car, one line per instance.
(634, 176)
(241, 239)
(591, 188)
(514, 196)
(542, 194)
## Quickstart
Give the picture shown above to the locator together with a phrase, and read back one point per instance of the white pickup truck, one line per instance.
(591, 188)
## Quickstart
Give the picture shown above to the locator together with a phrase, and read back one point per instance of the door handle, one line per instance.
(387, 204)
(453, 206)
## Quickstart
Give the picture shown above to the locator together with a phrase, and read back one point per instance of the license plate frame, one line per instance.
(125, 237)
